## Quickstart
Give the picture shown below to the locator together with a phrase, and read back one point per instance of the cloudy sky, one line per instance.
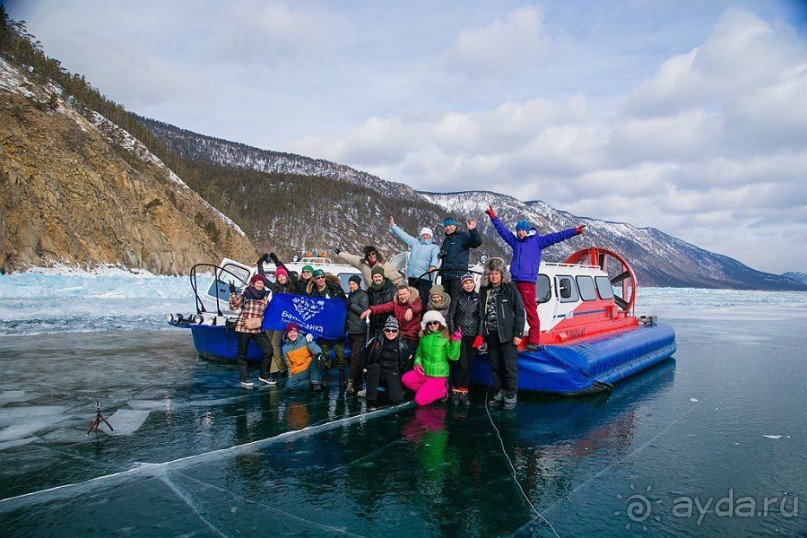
(688, 116)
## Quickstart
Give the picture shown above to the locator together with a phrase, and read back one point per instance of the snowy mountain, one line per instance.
(798, 277)
(315, 204)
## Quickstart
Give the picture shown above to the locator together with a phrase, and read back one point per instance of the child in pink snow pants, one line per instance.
(428, 379)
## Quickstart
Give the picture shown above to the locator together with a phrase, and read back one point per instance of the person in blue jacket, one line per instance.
(527, 250)
(456, 253)
(424, 257)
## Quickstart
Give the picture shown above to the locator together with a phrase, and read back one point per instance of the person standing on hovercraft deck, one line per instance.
(502, 312)
(424, 257)
(372, 259)
(357, 302)
(526, 261)
(456, 253)
(252, 302)
(285, 282)
(328, 287)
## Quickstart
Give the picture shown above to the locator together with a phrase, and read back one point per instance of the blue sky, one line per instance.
(688, 116)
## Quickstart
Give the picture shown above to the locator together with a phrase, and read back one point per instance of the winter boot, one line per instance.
(464, 399)
(498, 398)
(510, 399)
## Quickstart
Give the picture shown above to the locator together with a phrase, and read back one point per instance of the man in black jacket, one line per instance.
(503, 316)
(381, 290)
(456, 253)
(387, 358)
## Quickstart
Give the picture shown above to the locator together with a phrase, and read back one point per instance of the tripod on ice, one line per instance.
(98, 418)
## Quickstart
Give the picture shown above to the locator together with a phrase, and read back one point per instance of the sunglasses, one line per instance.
(319, 277)
(391, 331)
(433, 323)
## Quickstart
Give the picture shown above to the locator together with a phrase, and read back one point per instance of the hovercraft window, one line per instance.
(567, 289)
(544, 289)
(586, 286)
(604, 287)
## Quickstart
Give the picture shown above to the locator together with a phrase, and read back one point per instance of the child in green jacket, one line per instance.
(435, 349)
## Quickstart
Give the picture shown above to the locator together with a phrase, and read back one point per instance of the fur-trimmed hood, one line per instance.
(491, 264)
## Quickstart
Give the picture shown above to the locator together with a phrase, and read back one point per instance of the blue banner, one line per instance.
(324, 318)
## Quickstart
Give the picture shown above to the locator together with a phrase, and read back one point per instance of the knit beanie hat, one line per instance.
(292, 327)
(356, 279)
(307, 268)
(318, 272)
(466, 276)
(256, 278)
(391, 323)
(281, 271)
(522, 225)
(377, 270)
(448, 221)
(432, 315)
(426, 231)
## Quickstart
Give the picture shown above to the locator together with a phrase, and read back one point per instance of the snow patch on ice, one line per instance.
(126, 421)
(772, 436)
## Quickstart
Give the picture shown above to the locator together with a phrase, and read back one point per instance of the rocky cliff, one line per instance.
(76, 189)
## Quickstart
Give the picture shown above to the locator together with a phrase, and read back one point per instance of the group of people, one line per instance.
(404, 330)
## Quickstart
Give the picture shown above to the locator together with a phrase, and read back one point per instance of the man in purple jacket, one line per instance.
(524, 267)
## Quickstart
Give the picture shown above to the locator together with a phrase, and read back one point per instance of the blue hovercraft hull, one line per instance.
(589, 366)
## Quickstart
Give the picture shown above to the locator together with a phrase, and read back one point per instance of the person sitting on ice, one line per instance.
(406, 308)
(372, 258)
(252, 302)
(386, 359)
(303, 357)
(526, 261)
(424, 257)
(429, 378)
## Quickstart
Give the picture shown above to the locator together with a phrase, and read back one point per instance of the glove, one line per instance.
(263, 259)
(273, 257)
(490, 212)
(478, 341)
(336, 250)
(456, 336)
(580, 229)
(309, 338)
(419, 369)
(232, 287)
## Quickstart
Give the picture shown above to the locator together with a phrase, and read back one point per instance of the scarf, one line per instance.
(251, 294)
(442, 305)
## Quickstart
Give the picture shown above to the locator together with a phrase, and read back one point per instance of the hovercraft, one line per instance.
(590, 335)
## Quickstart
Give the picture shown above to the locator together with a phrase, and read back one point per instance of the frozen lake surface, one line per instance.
(709, 443)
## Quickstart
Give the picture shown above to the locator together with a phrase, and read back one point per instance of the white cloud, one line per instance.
(502, 47)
